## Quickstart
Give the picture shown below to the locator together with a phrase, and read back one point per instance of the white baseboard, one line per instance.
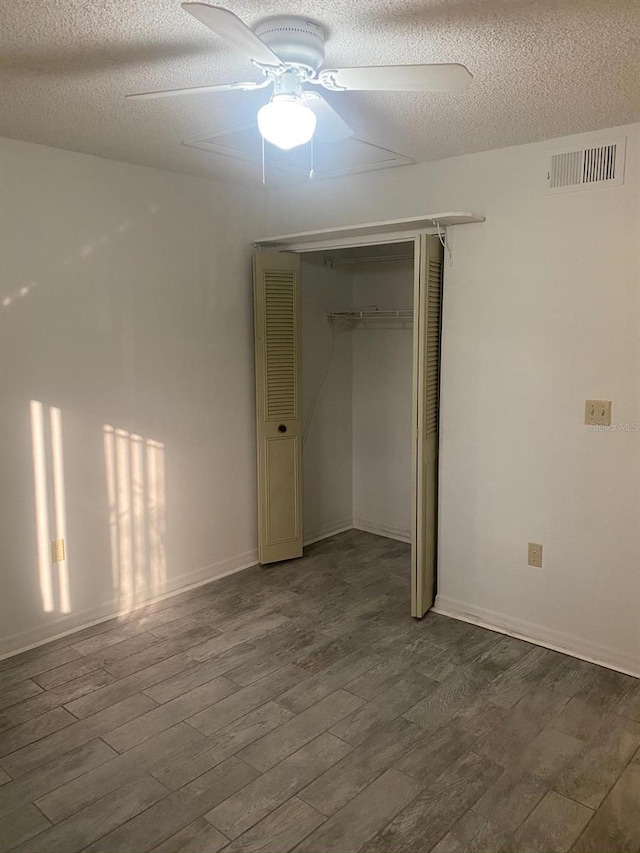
(389, 531)
(64, 625)
(569, 644)
(334, 527)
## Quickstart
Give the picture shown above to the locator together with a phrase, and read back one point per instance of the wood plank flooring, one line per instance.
(298, 707)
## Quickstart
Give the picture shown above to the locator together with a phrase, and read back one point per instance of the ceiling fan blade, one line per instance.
(195, 90)
(330, 127)
(229, 27)
(448, 77)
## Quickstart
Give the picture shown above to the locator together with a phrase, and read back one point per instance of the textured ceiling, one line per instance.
(543, 68)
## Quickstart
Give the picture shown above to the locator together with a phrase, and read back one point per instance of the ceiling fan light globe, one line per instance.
(286, 122)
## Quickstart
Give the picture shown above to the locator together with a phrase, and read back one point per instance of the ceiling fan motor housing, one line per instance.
(297, 41)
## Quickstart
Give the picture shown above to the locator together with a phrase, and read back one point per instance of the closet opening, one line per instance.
(347, 397)
(356, 308)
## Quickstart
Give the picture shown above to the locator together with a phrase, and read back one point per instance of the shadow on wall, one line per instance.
(86, 250)
(135, 483)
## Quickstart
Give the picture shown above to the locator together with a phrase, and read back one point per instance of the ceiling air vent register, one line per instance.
(587, 168)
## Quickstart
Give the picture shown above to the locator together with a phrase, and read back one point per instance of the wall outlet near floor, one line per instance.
(535, 555)
(57, 550)
(597, 412)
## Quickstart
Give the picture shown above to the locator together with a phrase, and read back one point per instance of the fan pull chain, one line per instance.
(264, 171)
(312, 172)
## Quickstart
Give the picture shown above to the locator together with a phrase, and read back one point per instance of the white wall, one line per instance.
(541, 312)
(136, 314)
(327, 453)
(382, 394)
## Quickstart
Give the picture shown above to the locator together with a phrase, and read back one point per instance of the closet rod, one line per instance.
(372, 314)
(334, 262)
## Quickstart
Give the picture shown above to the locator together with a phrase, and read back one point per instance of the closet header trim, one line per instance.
(301, 240)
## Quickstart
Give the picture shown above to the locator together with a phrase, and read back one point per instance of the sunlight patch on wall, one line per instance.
(48, 467)
(134, 471)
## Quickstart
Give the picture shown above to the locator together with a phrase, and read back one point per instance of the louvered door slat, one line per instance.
(434, 301)
(281, 335)
(427, 372)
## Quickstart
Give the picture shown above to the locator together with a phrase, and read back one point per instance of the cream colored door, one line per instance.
(276, 279)
(427, 326)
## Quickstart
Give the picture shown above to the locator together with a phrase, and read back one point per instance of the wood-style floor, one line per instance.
(299, 707)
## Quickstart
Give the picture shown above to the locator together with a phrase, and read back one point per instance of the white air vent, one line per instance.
(586, 168)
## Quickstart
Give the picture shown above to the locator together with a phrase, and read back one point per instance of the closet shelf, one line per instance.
(404, 315)
(369, 230)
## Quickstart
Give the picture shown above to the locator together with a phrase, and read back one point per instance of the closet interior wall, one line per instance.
(357, 411)
(382, 396)
(327, 368)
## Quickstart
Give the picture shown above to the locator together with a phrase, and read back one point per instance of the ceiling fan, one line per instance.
(289, 51)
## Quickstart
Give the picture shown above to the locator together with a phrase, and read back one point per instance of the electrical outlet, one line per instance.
(57, 550)
(535, 555)
(597, 412)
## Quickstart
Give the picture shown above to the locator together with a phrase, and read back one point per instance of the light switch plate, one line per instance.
(597, 412)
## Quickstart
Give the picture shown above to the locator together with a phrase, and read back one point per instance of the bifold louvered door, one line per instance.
(427, 332)
(276, 278)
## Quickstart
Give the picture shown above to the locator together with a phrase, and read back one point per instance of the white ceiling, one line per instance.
(543, 68)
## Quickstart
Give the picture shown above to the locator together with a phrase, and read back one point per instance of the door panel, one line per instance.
(278, 402)
(427, 334)
(281, 460)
